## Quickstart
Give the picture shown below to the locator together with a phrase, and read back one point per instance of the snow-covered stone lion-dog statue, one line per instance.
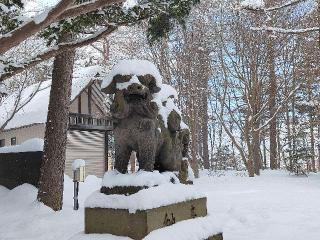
(146, 120)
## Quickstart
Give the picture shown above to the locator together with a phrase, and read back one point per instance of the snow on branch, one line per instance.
(32, 27)
(259, 5)
(52, 52)
(252, 4)
(86, 8)
(287, 4)
(286, 31)
(46, 18)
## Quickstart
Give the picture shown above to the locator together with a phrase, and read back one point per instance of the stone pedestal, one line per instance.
(137, 210)
(139, 224)
(218, 236)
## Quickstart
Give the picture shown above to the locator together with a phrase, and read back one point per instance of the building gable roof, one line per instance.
(36, 110)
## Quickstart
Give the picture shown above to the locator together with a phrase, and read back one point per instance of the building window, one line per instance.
(2, 142)
(13, 141)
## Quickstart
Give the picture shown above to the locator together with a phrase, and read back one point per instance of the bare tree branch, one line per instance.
(274, 8)
(18, 105)
(287, 4)
(286, 31)
(52, 52)
(35, 25)
(232, 138)
(281, 106)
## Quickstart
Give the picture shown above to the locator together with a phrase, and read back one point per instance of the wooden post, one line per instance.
(106, 151)
(133, 162)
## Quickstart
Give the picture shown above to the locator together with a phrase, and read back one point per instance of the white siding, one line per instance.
(88, 146)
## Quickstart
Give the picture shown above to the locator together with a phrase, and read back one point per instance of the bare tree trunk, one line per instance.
(53, 161)
(250, 164)
(279, 148)
(194, 160)
(264, 152)
(205, 131)
(256, 152)
(318, 118)
(289, 137)
(313, 160)
(272, 106)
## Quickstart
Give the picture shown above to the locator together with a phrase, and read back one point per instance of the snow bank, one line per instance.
(252, 4)
(83, 236)
(77, 164)
(31, 145)
(140, 178)
(133, 67)
(24, 218)
(153, 197)
(273, 206)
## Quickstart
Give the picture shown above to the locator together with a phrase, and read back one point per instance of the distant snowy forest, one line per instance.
(247, 73)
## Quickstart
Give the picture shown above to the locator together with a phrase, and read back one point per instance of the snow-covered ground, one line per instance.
(272, 206)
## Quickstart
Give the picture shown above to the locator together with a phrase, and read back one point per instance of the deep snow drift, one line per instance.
(272, 206)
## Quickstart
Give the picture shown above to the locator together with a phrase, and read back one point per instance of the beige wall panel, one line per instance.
(23, 134)
(95, 111)
(73, 108)
(84, 103)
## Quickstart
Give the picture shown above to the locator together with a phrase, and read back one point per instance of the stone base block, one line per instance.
(218, 236)
(137, 225)
(122, 190)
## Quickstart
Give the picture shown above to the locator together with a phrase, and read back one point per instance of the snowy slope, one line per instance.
(273, 206)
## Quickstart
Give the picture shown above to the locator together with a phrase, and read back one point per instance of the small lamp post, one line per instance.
(78, 168)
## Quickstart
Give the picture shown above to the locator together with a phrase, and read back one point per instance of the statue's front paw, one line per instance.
(145, 124)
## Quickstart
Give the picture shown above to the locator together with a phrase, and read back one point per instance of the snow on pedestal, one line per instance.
(138, 179)
(153, 197)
